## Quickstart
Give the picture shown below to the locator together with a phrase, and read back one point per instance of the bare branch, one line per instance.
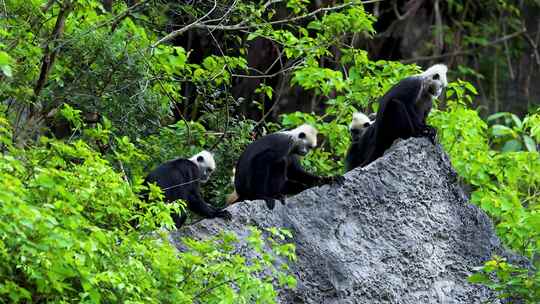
(534, 47)
(292, 67)
(47, 5)
(438, 28)
(178, 32)
(414, 6)
(508, 56)
(198, 24)
(118, 18)
(465, 52)
(322, 10)
(49, 54)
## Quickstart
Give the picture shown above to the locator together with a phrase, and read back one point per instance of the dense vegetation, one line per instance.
(95, 93)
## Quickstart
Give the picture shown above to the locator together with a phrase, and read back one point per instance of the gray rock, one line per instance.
(398, 231)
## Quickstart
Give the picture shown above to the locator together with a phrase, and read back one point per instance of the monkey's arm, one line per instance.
(199, 206)
(298, 175)
(293, 187)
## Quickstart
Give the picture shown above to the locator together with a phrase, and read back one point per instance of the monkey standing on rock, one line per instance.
(270, 167)
(181, 178)
(402, 113)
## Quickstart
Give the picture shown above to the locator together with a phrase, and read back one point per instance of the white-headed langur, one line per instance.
(359, 124)
(402, 113)
(181, 178)
(270, 168)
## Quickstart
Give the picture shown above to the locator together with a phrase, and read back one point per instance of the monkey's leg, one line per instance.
(270, 203)
(431, 133)
(274, 183)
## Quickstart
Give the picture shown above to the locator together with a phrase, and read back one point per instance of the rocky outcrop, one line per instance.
(398, 231)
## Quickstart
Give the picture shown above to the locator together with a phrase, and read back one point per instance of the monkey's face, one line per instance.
(206, 164)
(304, 143)
(303, 139)
(205, 173)
(359, 124)
(434, 80)
(433, 86)
(356, 133)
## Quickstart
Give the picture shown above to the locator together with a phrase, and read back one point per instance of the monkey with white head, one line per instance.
(402, 114)
(270, 168)
(181, 178)
(359, 125)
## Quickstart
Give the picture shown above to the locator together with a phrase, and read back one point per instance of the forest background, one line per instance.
(95, 93)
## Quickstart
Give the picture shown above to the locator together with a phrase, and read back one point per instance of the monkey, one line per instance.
(270, 168)
(402, 113)
(359, 124)
(181, 178)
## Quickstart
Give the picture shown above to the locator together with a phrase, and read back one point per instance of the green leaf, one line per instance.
(496, 116)
(500, 130)
(471, 88)
(512, 146)
(5, 64)
(517, 121)
(478, 278)
(529, 143)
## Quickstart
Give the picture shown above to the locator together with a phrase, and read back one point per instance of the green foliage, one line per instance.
(182, 140)
(66, 237)
(66, 208)
(5, 63)
(105, 65)
(511, 281)
(366, 82)
(505, 185)
(514, 134)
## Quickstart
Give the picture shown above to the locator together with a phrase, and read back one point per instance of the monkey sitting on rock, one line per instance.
(402, 113)
(270, 168)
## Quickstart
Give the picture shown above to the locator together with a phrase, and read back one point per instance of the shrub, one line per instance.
(65, 237)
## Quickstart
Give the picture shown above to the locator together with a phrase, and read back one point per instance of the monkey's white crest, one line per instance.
(206, 163)
(435, 79)
(359, 121)
(304, 137)
(438, 71)
(204, 157)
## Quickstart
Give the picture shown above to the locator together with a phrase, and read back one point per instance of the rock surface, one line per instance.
(398, 231)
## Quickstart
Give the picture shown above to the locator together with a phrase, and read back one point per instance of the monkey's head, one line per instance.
(206, 164)
(434, 80)
(358, 124)
(304, 139)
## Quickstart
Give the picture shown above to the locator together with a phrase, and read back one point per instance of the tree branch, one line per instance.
(534, 46)
(465, 52)
(322, 10)
(178, 32)
(49, 53)
(118, 18)
(198, 24)
(114, 21)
